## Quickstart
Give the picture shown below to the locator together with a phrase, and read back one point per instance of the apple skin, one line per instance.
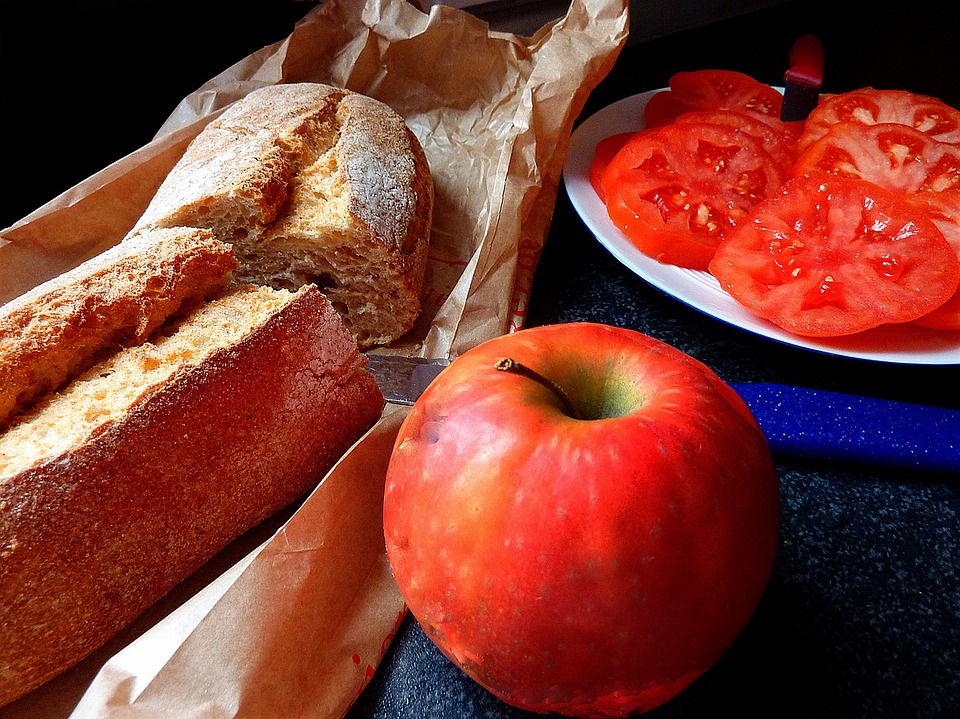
(587, 567)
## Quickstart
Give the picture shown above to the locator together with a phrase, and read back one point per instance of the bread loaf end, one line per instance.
(114, 491)
(313, 184)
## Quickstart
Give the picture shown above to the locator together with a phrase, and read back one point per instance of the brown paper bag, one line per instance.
(298, 625)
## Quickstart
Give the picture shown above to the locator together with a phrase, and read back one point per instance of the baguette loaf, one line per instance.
(118, 298)
(313, 184)
(122, 483)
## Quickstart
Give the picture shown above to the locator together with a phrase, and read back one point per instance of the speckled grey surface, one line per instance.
(861, 618)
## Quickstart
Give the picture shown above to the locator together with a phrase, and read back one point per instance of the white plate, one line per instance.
(905, 344)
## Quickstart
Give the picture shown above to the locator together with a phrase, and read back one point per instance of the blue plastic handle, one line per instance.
(803, 422)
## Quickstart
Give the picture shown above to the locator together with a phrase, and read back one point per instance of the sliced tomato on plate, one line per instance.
(944, 210)
(777, 143)
(664, 108)
(894, 156)
(713, 90)
(870, 106)
(675, 191)
(830, 256)
(659, 232)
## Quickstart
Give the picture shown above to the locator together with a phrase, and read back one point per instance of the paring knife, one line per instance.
(797, 421)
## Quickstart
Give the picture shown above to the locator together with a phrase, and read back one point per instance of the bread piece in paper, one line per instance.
(313, 184)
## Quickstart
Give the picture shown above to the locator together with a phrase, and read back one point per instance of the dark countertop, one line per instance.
(862, 614)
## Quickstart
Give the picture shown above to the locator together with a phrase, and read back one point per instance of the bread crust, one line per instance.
(312, 183)
(113, 300)
(91, 537)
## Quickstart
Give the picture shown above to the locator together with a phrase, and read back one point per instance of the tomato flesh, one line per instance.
(675, 191)
(663, 108)
(830, 256)
(606, 150)
(870, 106)
(894, 156)
(778, 144)
(713, 90)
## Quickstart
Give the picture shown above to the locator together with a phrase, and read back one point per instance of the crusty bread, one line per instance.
(121, 484)
(313, 184)
(117, 298)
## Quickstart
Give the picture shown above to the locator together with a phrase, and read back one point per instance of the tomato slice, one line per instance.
(870, 106)
(944, 210)
(607, 148)
(830, 256)
(664, 108)
(894, 156)
(667, 237)
(676, 190)
(778, 144)
(713, 90)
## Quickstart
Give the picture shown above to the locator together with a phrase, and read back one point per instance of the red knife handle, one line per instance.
(806, 62)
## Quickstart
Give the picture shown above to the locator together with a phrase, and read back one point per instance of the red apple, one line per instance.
(586, 535)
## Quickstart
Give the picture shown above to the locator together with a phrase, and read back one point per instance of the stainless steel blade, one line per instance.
(403, 379)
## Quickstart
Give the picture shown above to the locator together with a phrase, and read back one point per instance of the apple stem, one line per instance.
(508, 364)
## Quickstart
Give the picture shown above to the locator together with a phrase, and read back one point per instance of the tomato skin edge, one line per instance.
(944, 209)
(606, 150)
(945, 317)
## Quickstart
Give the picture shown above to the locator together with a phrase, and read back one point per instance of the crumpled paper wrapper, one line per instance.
(295, 623)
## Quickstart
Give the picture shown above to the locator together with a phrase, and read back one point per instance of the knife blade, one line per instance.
(403, 379)
(797, 421)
